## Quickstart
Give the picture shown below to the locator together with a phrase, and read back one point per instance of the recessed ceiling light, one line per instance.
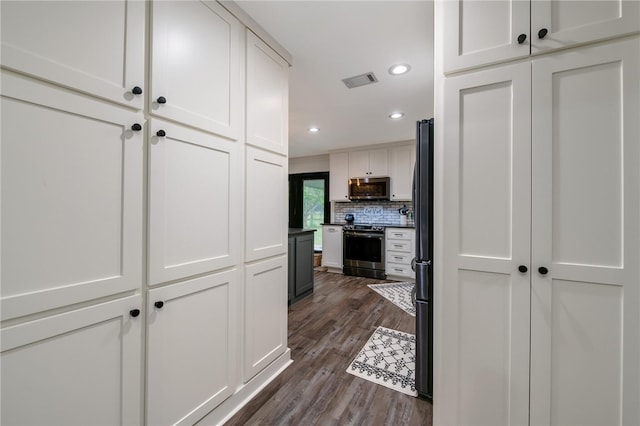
(314, 129)
(399, 69)
(396, 115)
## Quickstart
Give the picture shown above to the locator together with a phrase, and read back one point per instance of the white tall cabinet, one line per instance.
(266, 232)
(137, 288)
(538, 203)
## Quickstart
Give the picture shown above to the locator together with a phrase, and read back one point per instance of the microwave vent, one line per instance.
(360, 80)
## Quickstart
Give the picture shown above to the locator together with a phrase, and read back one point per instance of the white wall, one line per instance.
(313, 164)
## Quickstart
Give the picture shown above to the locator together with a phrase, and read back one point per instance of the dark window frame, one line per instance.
(296, 196)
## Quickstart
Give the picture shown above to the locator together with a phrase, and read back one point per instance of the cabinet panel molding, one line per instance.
(267, 97)
(265, 308)
(49, 40)
(266, 204)
(196, 66)
(71, 197)
(196, 230)
(192, 347)
(74, 368)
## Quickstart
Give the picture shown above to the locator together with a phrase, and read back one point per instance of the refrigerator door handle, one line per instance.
(423, 279)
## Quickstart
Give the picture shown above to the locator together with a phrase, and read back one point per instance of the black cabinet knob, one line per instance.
(522, 38)
(161, 133)
(134, 312)
(543, 33)
(159, 304)
(522, 269)
(137, 90)
(543, 270)
(162, 100)
(136, 127)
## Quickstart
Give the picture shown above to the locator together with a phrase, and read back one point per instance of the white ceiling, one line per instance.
(333, 40)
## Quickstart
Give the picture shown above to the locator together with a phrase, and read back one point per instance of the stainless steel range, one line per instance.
(363, 250)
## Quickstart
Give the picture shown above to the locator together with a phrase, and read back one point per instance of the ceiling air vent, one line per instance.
(360, 80)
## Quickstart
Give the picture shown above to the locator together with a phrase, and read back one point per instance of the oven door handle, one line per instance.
(363, 234)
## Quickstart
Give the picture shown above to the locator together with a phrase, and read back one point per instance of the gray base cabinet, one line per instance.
(300, 265)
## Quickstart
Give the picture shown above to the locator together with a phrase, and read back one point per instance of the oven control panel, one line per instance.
(359, 227)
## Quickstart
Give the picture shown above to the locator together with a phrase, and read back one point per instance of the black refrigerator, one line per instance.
(423, 266)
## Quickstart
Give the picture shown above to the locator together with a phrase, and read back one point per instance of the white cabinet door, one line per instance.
(358, 164)
(576, 22)
(586, 190)
(265, 308)
(339, 177)
(94, 47)
(72, 172)
(379, 162)
(82, 367)
(370, 163)
(487, 31)
(487, 161)
(402, 161)
(192, 347)
(267, 97)
(196, 66)
(484, 32)
(332, 246)
(195, 195)
(266, 204)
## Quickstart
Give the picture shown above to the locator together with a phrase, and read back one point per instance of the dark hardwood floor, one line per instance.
(326, 331)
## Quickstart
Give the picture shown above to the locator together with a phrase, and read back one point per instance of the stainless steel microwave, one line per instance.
(369, 188)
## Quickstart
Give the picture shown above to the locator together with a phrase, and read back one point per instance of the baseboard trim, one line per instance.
(247, 392)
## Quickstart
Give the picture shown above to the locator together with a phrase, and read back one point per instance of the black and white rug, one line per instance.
(397, 293)
(389, 359)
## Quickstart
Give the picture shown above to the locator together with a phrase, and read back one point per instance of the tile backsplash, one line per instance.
(372, 212)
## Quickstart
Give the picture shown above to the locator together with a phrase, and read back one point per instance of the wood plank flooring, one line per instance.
(326, 331)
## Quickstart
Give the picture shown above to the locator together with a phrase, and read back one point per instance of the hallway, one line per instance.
(326, 331)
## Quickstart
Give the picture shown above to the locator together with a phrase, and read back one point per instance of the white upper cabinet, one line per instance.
(374, 162)
(267, 97)
(81, 367)
(192, 347)
(484, 32)
(266, 204)
(196, 66)
(195, 194)
(569, 22)
(339, 177)
(90, 46)
(488, 31)
(402, 160)
(72, 180)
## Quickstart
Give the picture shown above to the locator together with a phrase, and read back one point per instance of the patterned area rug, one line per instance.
(388, 359)
(397, 293)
